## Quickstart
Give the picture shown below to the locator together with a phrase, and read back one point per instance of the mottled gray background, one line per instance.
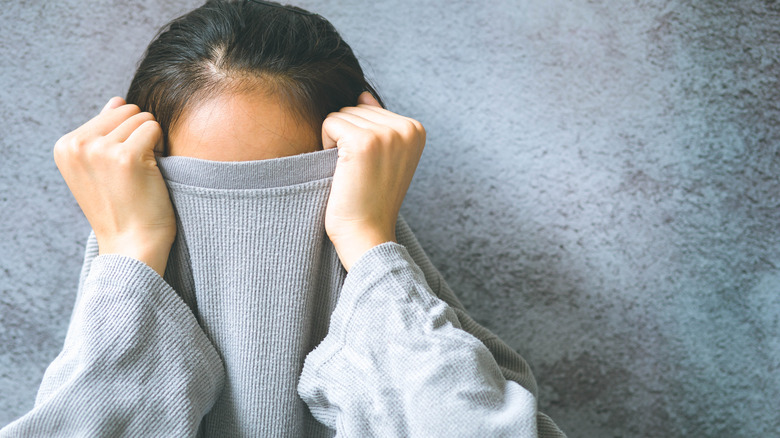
(600, 186)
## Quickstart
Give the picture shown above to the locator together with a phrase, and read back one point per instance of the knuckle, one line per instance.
(75, 145)
(60, 147)
(414, 133)
(391, 135)
(369, 140)
(146, 116)
(73, 148)
(94, 152)
(410, 129)
(133, 108)
(419, 127)
(151, 123)
(57, 153)
(364, 136)
(329, 121)
(385, 134)
(124, 159)
(96, 146)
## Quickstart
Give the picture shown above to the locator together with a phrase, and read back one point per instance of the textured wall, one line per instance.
(600, 186)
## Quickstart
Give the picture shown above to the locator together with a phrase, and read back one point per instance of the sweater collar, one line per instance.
(233, 175)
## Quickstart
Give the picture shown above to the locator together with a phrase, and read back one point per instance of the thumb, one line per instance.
(367, 98)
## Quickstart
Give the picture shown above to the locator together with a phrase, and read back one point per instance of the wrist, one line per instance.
(351, 247)
(151, 250)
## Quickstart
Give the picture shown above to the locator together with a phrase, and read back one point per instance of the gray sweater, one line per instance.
(256, 330)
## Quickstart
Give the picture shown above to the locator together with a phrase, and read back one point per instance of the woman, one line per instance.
(251, 169)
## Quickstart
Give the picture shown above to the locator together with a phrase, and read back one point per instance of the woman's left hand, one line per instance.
(378, 152)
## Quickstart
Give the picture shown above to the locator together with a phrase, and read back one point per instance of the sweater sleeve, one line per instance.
(134, 363)
(397, 362)
(512, 365)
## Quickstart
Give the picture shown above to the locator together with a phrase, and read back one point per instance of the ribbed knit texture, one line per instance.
(253, 286)
(407, 368)
(135, 362)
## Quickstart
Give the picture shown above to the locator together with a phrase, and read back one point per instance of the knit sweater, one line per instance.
(256, 329)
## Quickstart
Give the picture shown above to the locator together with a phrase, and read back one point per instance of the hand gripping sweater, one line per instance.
(256, 330)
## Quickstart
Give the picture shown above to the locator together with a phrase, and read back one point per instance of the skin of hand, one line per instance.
(378, 152)
(109, 165)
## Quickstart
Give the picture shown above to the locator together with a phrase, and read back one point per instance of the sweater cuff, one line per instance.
(384, 277)
(120, 289)
(124, 271)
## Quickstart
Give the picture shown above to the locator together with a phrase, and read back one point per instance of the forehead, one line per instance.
(240, 127)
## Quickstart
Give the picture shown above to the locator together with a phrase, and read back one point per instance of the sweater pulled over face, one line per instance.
(257, 330)
(254, 264)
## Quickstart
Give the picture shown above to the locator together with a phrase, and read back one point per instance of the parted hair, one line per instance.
(236, 46)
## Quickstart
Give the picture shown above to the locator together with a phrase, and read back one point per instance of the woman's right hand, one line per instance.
(109, 165)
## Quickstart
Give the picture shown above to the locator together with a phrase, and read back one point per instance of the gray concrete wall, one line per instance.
(600, 186)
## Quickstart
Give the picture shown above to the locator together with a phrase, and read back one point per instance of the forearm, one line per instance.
(397, 363)
(135, 361)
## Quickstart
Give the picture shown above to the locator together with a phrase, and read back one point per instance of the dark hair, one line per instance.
(236, 46)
